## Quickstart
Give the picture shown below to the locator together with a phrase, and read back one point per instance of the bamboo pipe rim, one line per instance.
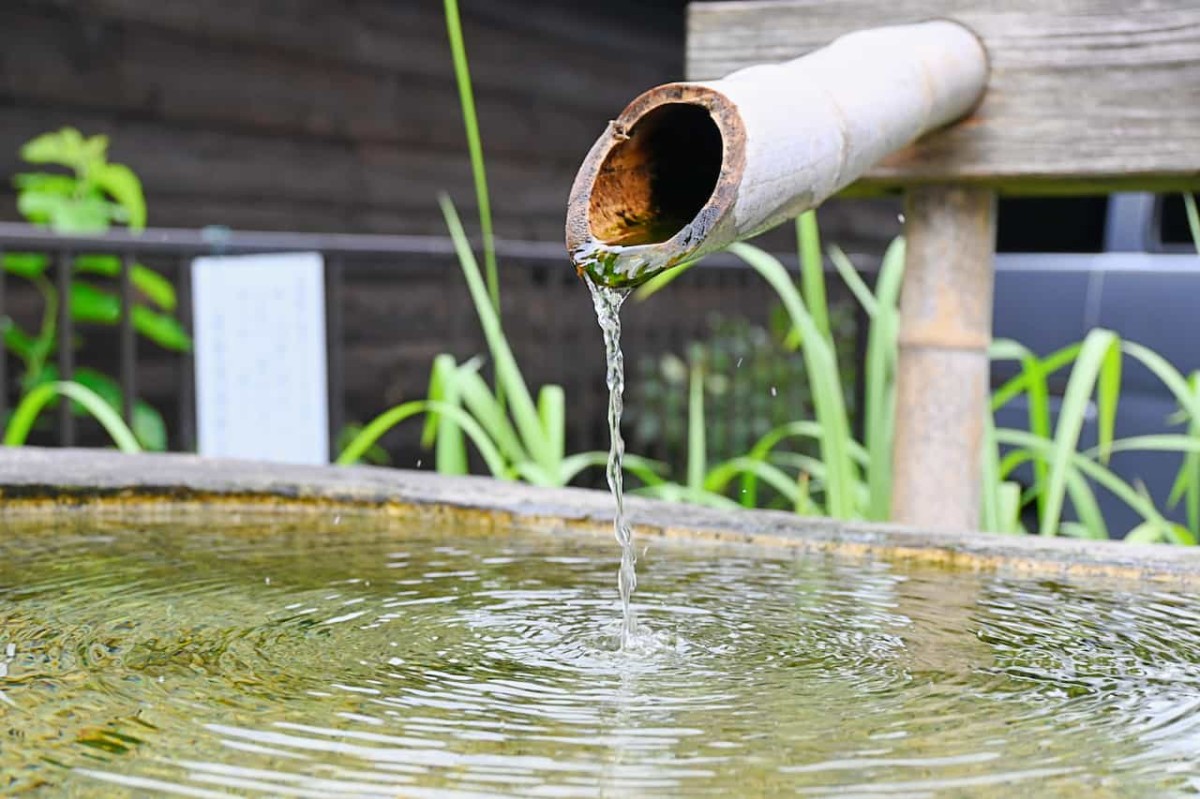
(616, 186)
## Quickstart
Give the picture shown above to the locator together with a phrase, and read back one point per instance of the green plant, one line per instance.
(754, 381)
(90, 198)
(521, 439)
(852, 479)
(515, 436)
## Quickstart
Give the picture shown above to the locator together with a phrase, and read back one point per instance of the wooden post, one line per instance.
(945, 330)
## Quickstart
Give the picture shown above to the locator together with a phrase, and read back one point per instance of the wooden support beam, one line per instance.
(945, 330)
(1084, 96)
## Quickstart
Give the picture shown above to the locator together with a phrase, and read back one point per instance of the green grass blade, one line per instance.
(1193, 218)
(1037, 392)
(1170, 377)
(552, 410)
(722, 474)
(697, 458)
(812, 272)
(1092, 357)
(1083, 499)
(381, 424)
(444, 368)
(1108, 391)
(1101, 475)
(1191, 461)
(850, 276)
(478, 398)
(662, 280)
(822, 369)
(673, 492)
(1161, 442)
(466, 96)
(990, 491)
(1050, 365)
(33, 403)
(508, 373)
(648, 471)
(879, 404)
(1010, 508)
(450, 448)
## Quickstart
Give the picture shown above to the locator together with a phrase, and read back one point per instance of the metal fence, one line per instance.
(391, 303)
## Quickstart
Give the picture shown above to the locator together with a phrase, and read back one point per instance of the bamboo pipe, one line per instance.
(688, 168)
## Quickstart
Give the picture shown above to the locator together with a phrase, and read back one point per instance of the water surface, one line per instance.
(351, 659)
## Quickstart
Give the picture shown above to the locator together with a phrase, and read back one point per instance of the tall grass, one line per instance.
(466, 96)
(854, 479)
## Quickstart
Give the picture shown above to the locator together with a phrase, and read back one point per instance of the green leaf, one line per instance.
(63, 147)
(41, 207)
(150, 283)
(94, 151)
(92, 304)
(153, 286)
(25, 264)
(123, 185)
(46, 183)
(17, 341)
(103, 265)
(161, 329)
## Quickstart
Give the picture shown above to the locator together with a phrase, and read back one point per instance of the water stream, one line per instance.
(608, 302)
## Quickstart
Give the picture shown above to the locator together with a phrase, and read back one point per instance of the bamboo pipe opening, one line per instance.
(657, 177)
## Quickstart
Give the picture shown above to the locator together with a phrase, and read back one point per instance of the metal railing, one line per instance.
(532, 269)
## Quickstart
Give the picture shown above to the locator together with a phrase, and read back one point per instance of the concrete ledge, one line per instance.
(36, 483)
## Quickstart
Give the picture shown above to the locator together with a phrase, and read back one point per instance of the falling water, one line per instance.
(608, 314)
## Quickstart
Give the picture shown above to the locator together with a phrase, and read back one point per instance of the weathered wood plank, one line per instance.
(138, 71)
(595, 52)
(1084, 95)
(196, 177)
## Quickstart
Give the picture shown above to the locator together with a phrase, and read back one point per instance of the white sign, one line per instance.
(259, 324)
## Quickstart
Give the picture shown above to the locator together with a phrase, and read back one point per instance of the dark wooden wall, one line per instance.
(330, 115)
(342, 116)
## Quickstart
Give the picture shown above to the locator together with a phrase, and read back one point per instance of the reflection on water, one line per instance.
(368, 662)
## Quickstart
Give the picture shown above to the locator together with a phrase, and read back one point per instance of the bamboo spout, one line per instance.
(689, 168)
